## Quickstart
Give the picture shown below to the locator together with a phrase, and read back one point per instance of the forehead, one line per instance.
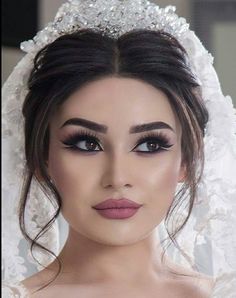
(118, 100)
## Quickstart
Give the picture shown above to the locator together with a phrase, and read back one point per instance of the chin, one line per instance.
(118, 238)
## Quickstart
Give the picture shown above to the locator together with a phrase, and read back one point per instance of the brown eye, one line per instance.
(153, 143)
(152, 146)
(148, 146)
(87, 145)
(90, 145)
(82, 141)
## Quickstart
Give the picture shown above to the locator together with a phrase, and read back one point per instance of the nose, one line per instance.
(116, 172)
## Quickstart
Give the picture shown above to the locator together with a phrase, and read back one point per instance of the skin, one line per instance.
(112, 254)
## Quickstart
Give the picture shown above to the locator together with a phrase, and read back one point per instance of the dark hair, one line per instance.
(73, 60)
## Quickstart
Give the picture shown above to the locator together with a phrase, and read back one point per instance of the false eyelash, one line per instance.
(80, 135)
(159, 137)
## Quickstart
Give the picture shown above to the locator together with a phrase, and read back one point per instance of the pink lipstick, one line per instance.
(117, 208)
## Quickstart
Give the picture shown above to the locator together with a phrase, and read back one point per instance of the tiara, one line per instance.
(113, 18)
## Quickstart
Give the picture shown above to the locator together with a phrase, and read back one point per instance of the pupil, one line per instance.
(151, 145)
(91, 145)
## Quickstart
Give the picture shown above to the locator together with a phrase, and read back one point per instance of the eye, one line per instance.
(89, 142)
(82, 141)
(153, 143)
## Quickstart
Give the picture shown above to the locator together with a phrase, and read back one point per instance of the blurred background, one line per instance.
(213, 20)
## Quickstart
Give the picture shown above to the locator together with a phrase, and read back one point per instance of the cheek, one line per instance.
(72, 178)
(160, 183)
(65, 170)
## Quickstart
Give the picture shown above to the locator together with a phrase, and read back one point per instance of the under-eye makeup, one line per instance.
(87, 141)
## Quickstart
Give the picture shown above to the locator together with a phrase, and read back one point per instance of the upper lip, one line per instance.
(117, 203)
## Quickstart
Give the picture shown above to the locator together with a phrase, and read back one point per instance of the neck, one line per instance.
(87, 260)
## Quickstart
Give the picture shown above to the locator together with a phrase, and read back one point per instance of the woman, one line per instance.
(112, 125)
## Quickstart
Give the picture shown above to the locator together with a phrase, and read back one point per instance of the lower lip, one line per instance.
(117, 213)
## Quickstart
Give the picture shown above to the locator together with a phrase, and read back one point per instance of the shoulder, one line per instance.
(196, 289)
(199, 286)
(190, 283)
(40, 282)
(37, 281)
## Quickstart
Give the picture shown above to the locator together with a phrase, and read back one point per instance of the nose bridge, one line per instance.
(116, 170)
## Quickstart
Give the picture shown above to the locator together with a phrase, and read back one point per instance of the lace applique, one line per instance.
(14, 289)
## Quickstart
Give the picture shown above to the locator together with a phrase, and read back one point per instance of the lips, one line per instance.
(117, 203)
(117, 208)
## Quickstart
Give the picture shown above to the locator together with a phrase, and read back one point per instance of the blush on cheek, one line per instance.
(166, 179)
(58, 172)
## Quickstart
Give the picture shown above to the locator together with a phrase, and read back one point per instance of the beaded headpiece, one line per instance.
(214, 213)
(113, 19)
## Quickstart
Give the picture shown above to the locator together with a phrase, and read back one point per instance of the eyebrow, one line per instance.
(103, 128)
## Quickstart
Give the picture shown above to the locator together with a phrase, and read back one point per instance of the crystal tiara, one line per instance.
(113, 17)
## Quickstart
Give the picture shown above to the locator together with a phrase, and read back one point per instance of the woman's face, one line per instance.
(118, 164)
